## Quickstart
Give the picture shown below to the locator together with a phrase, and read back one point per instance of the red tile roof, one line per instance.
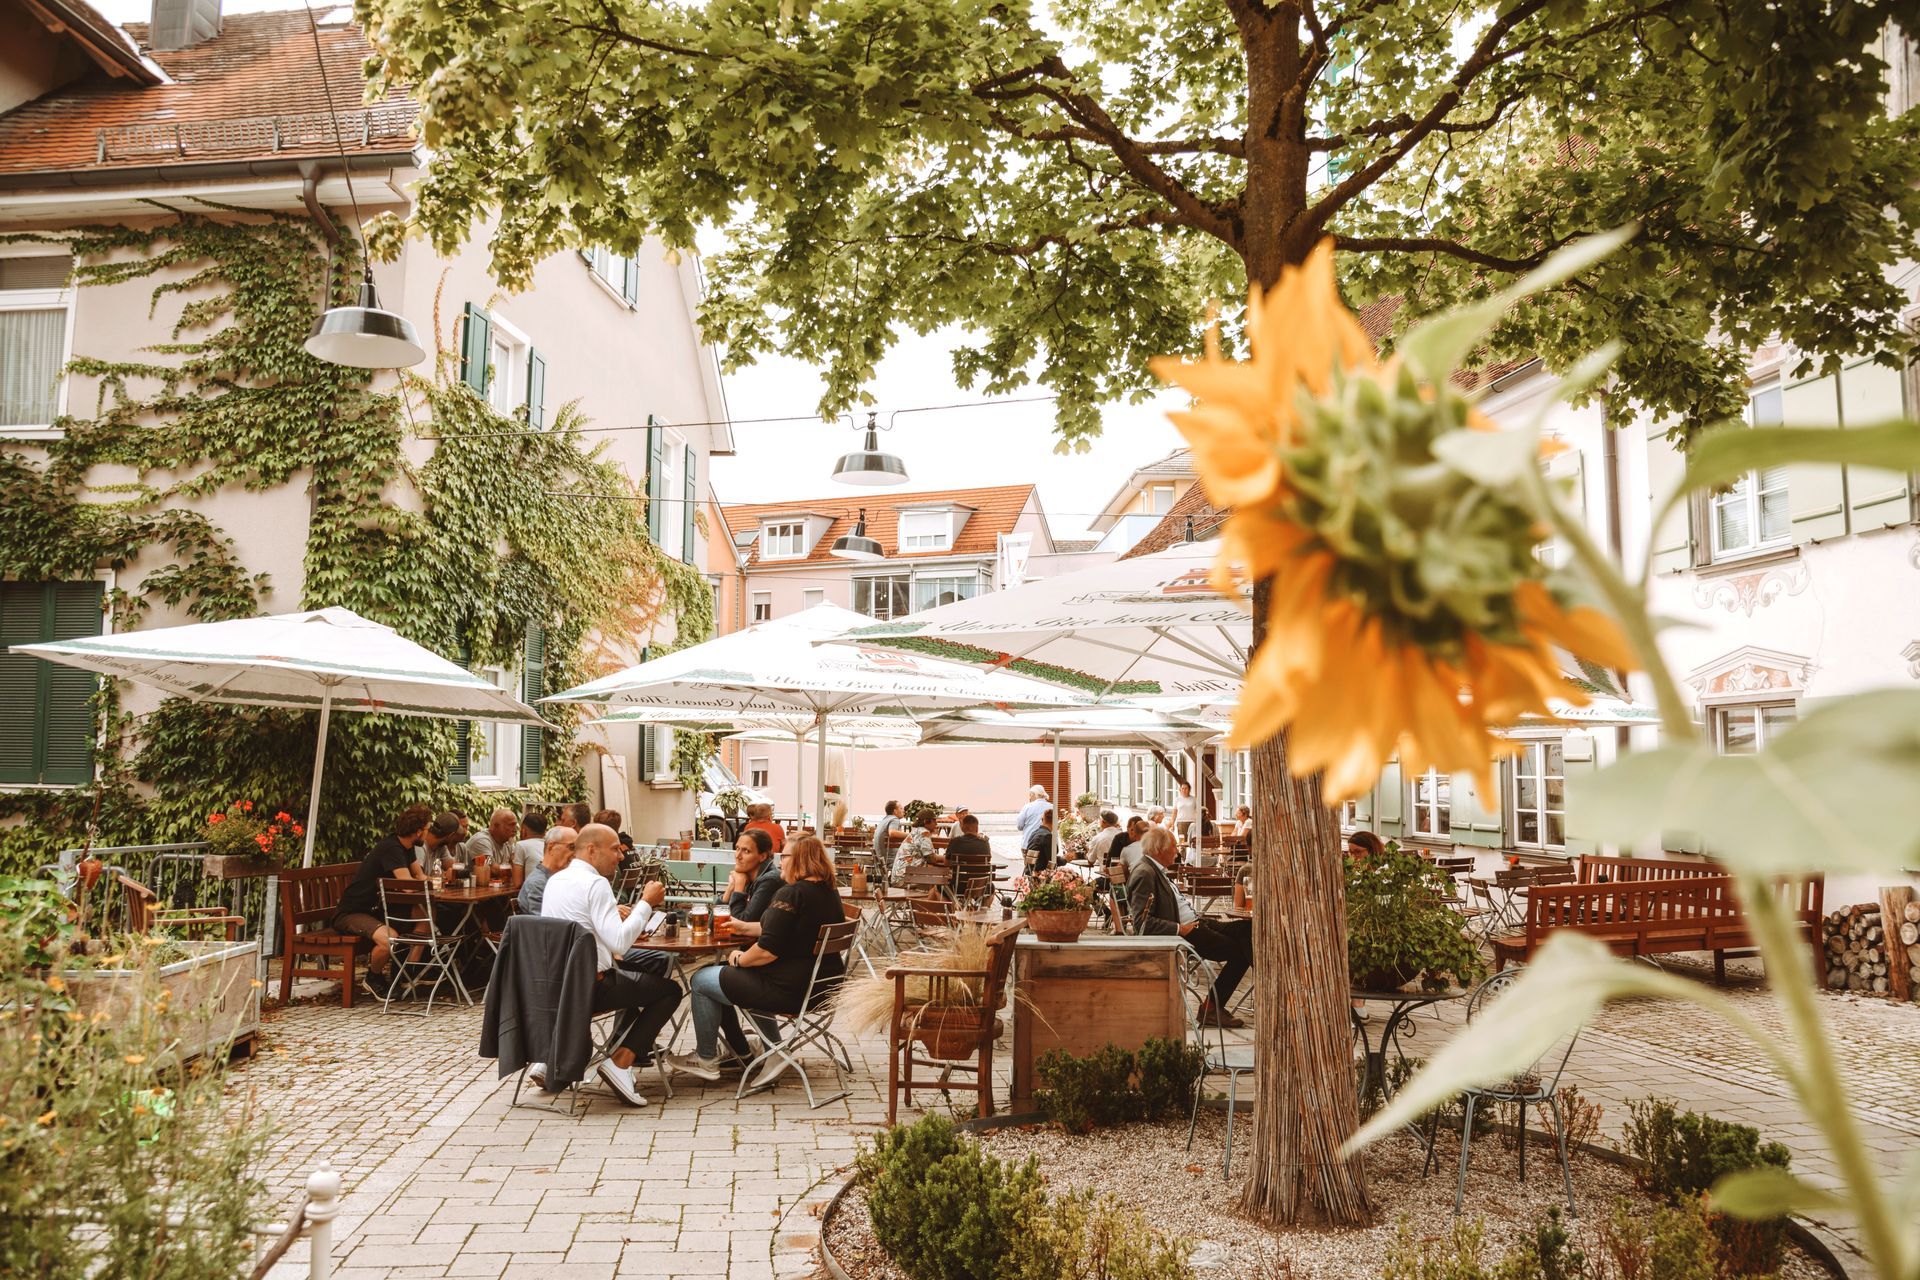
(250, 93)
(994, 511)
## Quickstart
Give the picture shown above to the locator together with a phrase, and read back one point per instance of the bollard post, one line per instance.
(323, 1202)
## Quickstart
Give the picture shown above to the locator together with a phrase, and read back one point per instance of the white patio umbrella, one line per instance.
(329, 660)
(1092, 727)
(781, 667)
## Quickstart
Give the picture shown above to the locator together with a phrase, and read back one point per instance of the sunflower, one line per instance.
(1408, 612)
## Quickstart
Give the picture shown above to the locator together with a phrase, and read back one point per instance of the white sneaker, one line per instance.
(621, 1078)
(537, 1075)
(694, 1065)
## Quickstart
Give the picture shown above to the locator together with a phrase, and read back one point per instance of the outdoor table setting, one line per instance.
(1402, 1005)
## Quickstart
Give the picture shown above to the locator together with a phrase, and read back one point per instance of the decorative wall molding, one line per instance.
(1746, 592)
(1751, 670)
(1912, 654)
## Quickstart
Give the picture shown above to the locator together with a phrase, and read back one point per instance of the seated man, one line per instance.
(440, 843)
(553, 859)
(531, 847)
(496, 843)
(1160, 908)
(359, 912)
(582, 893)
(917, 850)
(760, 818)
(611, 818)
(1100, 846)
(1038, 846)
(968, 846)
(1126, 846)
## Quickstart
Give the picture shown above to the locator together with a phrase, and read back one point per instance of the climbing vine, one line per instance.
(461, 545)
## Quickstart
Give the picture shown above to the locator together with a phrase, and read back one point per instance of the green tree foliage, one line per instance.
(1071, 187)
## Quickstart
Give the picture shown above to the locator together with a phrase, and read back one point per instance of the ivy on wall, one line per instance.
(459, 553)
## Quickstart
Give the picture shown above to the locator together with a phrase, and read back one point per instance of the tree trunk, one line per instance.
(1305, 1102)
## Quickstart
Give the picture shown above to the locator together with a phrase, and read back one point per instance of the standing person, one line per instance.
(582, 893)
(1039, 846)
(773, 973)
(1186, 814)
(1159, 908)
(760, 818)
(883, 833)
(556, 853)
(1029, 817)
(391, 857)
(917, 849)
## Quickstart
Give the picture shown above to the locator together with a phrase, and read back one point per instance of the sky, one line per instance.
(964, 448)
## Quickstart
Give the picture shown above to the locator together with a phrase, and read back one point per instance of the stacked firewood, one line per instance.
(1874, 947)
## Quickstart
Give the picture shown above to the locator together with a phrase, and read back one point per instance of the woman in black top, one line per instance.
(773, 973)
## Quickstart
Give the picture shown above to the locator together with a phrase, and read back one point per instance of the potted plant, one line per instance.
(1087, 805)
(1058, 904)
(1399, 926)
(917, 807)
(241, 844)
(731, 801)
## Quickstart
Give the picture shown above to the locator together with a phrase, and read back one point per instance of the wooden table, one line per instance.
(983, 916)
(1081, 996)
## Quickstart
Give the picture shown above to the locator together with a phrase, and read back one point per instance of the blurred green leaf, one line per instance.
(1720, 457)
(1494, 458)
(1568, 262)
(1767, 1191)
(1840, 791)
(1566, 984)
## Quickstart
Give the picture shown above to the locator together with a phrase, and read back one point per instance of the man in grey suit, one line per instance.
(1159, 908)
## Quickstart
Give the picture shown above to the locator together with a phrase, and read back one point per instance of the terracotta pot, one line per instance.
(948, 1032)
(1059, 926)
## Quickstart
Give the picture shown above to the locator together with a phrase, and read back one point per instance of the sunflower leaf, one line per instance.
(1769, 1192)
(1565, 985)
(1840, 791)
(1436, 346)
(1720, 457)
(1494, 458)
(1580, 379)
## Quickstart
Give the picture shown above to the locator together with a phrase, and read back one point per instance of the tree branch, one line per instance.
(1219, 146)
(1395, 124)
(1433, 244)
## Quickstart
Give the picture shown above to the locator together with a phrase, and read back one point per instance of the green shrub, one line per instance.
(946, 1210)
(1676, 1242)
(1684, 1153)
(1081, 1094)
(1167, 1071)
(1545, 1253)
(1096, 1237)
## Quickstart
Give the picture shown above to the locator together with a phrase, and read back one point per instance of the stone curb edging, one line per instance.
(1797, 1231)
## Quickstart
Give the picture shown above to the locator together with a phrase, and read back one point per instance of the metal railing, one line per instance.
(313, 1218)
(177, 875)
(255, 135)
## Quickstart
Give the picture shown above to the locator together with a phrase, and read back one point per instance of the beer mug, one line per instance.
(700, 919)
(722, 920)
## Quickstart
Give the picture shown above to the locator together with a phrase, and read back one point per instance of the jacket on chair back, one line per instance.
(540, 1000)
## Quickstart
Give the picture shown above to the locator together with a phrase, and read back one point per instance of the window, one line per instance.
(758, 773)
(1539, 796)
(35, 308)
(881, 597)
(784, 541)
(47, 730)
(493, 749)
(926, 530)
(1752, 514)
(812, 596)
(1157, 499)
(1137, 792)
(1349, 816)
(621, 275)
(1433, 804)
(673, 459)
(929, 592)
(1750, 728)
(499, 362)
(763, 606)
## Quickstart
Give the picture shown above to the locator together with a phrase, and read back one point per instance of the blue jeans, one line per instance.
(713, 1013)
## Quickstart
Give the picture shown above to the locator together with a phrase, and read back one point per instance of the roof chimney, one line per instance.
(181, 24)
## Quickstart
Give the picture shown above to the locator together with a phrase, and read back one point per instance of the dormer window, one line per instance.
(784, 541)
(926, 530)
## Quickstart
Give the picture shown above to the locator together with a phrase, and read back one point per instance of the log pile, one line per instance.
(1874, 948)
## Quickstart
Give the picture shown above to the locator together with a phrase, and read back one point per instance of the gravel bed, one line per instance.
(1149, 1166)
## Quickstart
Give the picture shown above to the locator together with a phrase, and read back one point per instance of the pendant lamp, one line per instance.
(867, 465)
(857, 545)
(366, 336)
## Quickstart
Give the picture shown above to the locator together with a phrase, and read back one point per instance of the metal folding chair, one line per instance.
(813, 1024)
(421, 949)
(1222, 1056)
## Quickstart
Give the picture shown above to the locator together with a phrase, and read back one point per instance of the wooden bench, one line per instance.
(1656, 917)
(1600, 869)
(309, 897)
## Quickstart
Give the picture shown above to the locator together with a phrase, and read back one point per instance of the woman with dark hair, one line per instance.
(773, 973)
(1363, 845)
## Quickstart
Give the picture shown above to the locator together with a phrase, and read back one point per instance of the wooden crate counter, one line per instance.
(1079, 996)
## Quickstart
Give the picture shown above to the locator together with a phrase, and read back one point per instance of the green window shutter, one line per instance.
(461, 770)
(536, 389)
(647, 734)
(1392, 792)
(476, 342)
(630, 279)
(48, 735)
(533, 687)
(1816, 494)
(1872, 394)
(688, 488)
(1475, 822)
(1673, 537)
(656, 455)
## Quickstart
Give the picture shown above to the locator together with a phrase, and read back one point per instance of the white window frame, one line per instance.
(759, 773)
(813, 597)
(42, 300)
(673, 525)
(502, 737)
(783, 540)
(935, 539)
(1438, 805)
(1151, 495)
(1762, 736)
(755, 605)
(609, 270)
(924, 585)
(1530, 762)
(507, 351)
(1749, 492)
(889, 578)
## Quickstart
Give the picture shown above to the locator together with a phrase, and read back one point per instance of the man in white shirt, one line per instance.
(1029, 819)
(581, 892)
(1101, 844)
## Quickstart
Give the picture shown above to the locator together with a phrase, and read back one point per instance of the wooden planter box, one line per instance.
(211, 996)
(233, 866)
(1081, 996)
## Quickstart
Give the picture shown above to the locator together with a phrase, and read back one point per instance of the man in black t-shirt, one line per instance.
(359, 909)
(1039, 846)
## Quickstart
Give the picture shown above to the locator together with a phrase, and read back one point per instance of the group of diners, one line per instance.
(780, 893)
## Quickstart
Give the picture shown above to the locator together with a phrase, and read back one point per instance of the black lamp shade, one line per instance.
(857, 545)
(366, 336)
(867, 465)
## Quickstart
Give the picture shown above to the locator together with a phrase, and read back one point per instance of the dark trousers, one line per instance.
(1228, 943)
(653, 1000)
(641, 960)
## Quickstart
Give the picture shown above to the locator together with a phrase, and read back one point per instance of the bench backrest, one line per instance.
(1599, 868)
(310, 895)
(1661, 906)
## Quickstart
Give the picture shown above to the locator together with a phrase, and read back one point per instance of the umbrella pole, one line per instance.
(820, 778)
(1053, 783)
(319, 762)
